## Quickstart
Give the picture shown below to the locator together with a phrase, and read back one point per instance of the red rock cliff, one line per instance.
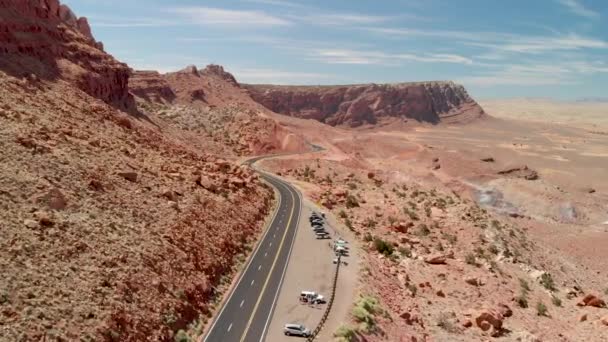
(360, 104)
(45, 38)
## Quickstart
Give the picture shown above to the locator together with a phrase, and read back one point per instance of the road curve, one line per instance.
(248, 310)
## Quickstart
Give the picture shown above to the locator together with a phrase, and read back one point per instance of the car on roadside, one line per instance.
(311, 297)
(292, 329)
(322, 235)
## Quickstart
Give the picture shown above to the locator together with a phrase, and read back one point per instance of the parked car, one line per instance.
(322, 235)
(292, 329)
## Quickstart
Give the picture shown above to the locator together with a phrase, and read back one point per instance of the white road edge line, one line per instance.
(246, 267)
(253, 281)
(229, 327)
(276, 295)
(242, 302)
(260, 267)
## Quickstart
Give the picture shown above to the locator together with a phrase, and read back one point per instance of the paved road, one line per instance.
(246, 314)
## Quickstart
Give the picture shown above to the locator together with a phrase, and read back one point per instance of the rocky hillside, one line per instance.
(44, 39)
(356, 105)
(211, 102)
(115, 227)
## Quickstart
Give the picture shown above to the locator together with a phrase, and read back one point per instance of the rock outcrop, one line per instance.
(46, 39)
(367, 104)
(150, 86)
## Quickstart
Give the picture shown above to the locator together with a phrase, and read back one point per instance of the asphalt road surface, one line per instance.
(246, 314)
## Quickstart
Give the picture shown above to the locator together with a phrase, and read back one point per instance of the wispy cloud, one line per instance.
(576, 7)
(229, 18)
(560, 73)
(536, 45)
(341, 19)
(515, 43)
(280, 3)
(342, 56)
(130, 22)
(261, 75)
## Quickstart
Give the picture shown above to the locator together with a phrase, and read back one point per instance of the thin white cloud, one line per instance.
(576, 7)
(210, 16)
(344, 56)
(104, 21)
(506, 42)
(280, 3)
(261, 75)
(560, 73)
(340, 19)
(536, 45)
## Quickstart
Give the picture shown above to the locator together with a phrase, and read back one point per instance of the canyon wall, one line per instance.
(45, 39)
(354, 105)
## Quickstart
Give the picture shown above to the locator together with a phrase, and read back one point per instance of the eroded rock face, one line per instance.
(48, 40)
(366, 104)
(151, 86)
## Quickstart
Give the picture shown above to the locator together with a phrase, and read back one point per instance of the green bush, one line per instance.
(383, 247)
(182, 336)
(369, 223)
(351, 201)
(522, 301)
(541, 309)
(556, 301)
(470, 259)
(547, 281)
(405, 251)
(346, 334)
(423, 230)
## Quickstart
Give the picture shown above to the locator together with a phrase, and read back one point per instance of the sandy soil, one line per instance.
(586, 114)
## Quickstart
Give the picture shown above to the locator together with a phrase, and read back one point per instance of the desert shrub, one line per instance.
(606, 291)
(522, 301)
(369, 223)
(351, 201)
(470, 259)
(493, 249)
(349, 224)
(423, 230)
(450, 237)
(364, 311)
(182, 336)
(169, 318)
(367, 237)
(427, 211)
(556, 301)
(405, 251)
(413, 289)
(412, 214)
(524, 285)
(392, 220)
(383, 247)
(547, 282)
(345, 333)
(342, 214)
(541, 309)
(445, 323)
(352, 186)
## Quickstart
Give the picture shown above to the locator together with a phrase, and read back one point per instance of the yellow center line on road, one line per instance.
(257, 303)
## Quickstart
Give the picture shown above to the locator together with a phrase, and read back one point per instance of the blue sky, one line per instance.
(539, 48)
